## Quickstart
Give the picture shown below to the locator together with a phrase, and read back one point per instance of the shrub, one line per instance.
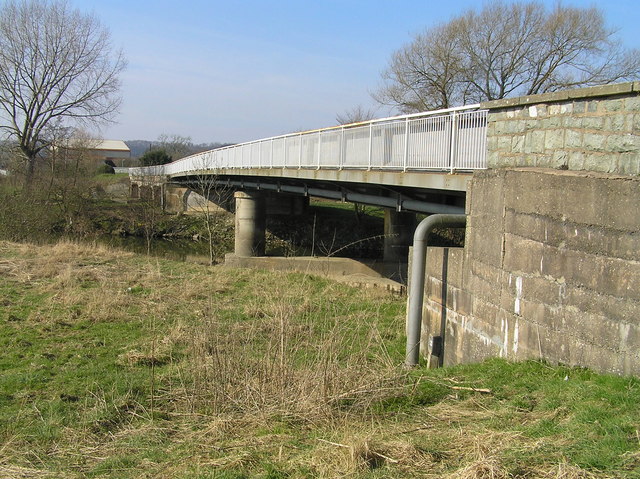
(106, 169)
(155, 157)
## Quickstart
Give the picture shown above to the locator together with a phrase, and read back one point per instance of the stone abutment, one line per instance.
(551, 263)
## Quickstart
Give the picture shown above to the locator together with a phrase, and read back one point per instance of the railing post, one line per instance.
(370, 145)
(260, 155)
(454, 140)
(300, 151)
(284, 152)
(319, 146)
(342, 148)
(406, 144)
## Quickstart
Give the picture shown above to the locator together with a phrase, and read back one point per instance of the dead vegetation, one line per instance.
(148, 368)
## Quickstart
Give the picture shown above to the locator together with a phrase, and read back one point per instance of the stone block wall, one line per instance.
(591, 129)
(550, 269)
(551, 263)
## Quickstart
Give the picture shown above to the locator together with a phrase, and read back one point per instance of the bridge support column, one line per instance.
(250, 223)
(398, 231)
(134, 190)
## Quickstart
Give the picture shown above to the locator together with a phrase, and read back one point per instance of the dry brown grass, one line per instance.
(270, 365)
(481, 456)
(87, 281)
(565, 470)
(17, 472)
(248, 369)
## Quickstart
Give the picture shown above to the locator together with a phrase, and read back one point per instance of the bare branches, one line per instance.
(356, 114)
(424, 75)
(56, 64)
(176, 146)
(506, 50)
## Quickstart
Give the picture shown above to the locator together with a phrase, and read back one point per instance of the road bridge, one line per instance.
(550, 266)
(407, 164)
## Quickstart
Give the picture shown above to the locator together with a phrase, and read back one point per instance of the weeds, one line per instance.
(115, 365)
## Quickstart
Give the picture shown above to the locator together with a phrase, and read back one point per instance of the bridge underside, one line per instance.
(432, 192)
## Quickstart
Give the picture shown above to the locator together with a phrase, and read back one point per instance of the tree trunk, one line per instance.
(31, 168)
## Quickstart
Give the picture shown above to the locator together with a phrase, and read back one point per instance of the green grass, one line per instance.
(349, 208)
(107, 179)
(328, 228)
(125, 366)
(594, 416)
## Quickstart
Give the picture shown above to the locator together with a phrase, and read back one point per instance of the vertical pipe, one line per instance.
(416, 287)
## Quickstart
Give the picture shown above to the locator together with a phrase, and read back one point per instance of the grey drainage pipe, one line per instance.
(416, 287)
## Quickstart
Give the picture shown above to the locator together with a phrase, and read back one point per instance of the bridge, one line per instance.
(411, 163)
(550, 265)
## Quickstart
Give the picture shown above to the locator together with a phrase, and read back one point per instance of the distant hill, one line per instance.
(139, 147)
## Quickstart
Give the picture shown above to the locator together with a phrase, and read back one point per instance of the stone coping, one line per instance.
(564, 95)
(558, 172)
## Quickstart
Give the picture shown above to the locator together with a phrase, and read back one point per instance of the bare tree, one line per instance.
(506, 50)
(149, 208)
(355, 115)
(425, 74)
(176, 146)
(211, 193)
(59, 202)
(71, 163)
(57, 67)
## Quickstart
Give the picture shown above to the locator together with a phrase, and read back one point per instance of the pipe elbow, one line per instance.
(417, 280)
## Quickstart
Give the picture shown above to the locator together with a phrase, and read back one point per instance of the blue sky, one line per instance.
(243, 70)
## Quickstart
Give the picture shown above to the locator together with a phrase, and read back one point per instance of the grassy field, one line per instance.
(125, 366)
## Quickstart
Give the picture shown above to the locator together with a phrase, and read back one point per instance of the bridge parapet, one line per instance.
(443, 140)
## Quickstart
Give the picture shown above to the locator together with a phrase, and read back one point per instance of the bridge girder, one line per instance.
(399, 197)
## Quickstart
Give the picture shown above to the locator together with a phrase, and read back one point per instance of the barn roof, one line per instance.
(112, 145)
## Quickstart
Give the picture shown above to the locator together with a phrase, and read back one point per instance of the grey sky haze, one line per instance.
(243, 70)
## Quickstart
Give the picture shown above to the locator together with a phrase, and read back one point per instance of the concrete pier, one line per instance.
(398, 231)
(250, 223)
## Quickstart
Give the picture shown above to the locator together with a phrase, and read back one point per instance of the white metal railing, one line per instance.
(443, 140)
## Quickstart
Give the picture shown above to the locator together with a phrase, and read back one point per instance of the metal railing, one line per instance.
(443, 140)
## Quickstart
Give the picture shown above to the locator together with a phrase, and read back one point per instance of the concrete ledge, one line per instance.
(436, 180)
(345, 270)
(564, 95)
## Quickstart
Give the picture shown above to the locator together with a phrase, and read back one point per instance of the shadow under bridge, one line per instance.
(408, 164)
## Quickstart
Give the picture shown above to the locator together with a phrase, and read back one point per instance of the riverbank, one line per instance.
(99, 209)
(121, 365)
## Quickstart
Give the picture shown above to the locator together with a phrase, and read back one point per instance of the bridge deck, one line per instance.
(427, 180)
